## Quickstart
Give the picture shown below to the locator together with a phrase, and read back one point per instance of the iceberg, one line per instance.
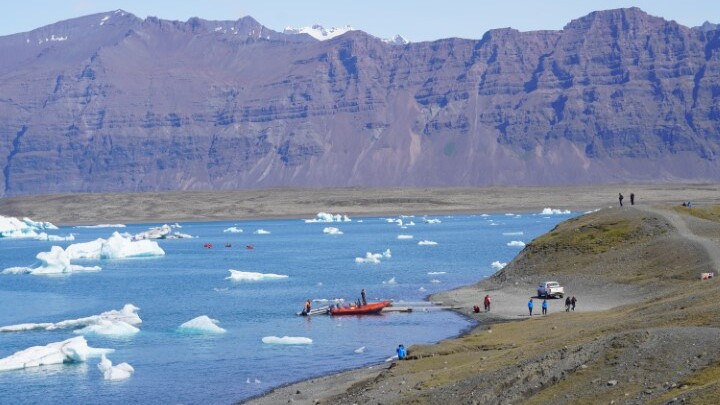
(427, 243)
(404, 236)
(551, 211)
(391, 281)
(332, 231)
(496, 265)
(513, 233)
(286, 340)
(120, 372)
(431, 221)
(516, 243)
(127, 315)
(237, 275)
(261, 232)
(108, 327)
(56, 261)
(233, 229)
(201, 325)
(11, 227)
(116, 247)
(101, 226)
(325, 217)
(73, 350)
(371, 258)
(161, 232)
(432, 273)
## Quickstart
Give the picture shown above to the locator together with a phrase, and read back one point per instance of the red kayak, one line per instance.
(371, 308)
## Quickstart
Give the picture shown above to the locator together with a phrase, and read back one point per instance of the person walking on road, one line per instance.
(632, 198)
(487, 303)
(620, 198)
(544, 307)
(567, 304)
(572, 302)
(530, 306)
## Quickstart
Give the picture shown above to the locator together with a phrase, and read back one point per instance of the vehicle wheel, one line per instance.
(560, 295)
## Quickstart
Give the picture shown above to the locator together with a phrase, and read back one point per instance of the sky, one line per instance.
(416, 20)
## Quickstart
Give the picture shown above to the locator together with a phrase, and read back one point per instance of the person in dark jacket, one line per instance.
(567, 304)
(544, 307)
(572, 302)
(362, 295)
(620, 198)
(632, 198)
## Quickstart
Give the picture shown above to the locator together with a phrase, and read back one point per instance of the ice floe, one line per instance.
(431, 221)
(107, 323)
(117, 246)
(513, 233)
(404, 236)
(497, 265)
(325, 217)
(108, 328)
(233, 229)
(373, 258)
(11, 227)
(286, 340)
(102, 226)
(435, 281)
(427, 243)
(332, 231)
(360, 350)
(390, 282)
(161, 232)
(237, 275)
(202, 325)
(261, 232)
(122, 371)
(552, 211)
(56, 261)
(432, 273)
(516, 243)
(73, 350)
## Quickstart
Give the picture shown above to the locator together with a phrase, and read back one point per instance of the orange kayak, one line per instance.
(371, 308)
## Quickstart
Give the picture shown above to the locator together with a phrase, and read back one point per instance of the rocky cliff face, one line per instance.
(110, 102)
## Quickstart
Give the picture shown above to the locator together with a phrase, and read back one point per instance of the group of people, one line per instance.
(621, 197)
(569, 305)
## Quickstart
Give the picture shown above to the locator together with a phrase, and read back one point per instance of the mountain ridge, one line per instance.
(145, 105)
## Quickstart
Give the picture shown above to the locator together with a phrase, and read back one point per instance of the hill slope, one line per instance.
(110, 102)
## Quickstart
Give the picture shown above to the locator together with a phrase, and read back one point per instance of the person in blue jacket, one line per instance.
(544, 307)
(530, 306)
(401, 352)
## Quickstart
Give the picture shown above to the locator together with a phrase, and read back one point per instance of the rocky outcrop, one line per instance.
(110, 102)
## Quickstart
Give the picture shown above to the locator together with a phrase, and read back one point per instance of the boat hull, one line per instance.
(371, 308)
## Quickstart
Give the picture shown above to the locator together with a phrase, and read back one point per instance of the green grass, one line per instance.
(711, 213)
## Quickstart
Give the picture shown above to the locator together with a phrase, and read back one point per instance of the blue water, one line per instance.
(189, 281)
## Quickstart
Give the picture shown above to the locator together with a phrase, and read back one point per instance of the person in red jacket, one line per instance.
(487, 303)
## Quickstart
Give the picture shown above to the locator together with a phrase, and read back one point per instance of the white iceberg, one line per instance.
(261, 232)
(56, 261)
(325, 217)
(101, 226)
(360, 349)
(436, 272)
(162, 232)
(551, 211)
(127, 315)
(516, 243)
(513, 233)
(73, 350)
(202, 324)
(404, 236)
(373, 258)
(427, 243)
(116, 246)
(390, 282)
(431, 221)
(11, 227)
(286, 340)
(120, 372)
(237, 275)
(108, 327)
(233, 229)
(498, 265)
(332, 231)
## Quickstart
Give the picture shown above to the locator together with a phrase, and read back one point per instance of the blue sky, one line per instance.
(417, 20)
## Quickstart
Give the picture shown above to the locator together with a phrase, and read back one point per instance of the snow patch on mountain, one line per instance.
(321, 33)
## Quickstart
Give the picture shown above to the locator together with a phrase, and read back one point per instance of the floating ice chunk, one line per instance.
(431, 221)
(513, 233)
(427, 243)
(73, 350)
(261, 232)
(509, 214)
(325, 217)
(498, 265)
(552, 211)
(387, 254)
(11, 227)
(391, 281)
(160, 232)
(120, 372)
(370, 258)
(56, 261)
(176, 226)
(404, 236)
(484, 215)
(233, 229)
(108, 328)
(116, 247)
(237, 275)
(432, 273)
(286, 340)
(422, 289)
(101, 226)
(516, 243)
(128, 315)
(39, 225)
(56, 238)
(202, 324)
(435, 281)
(332, 231)
(360, 350)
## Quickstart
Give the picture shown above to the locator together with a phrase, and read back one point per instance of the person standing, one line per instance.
(487, 303)
(632, 198)
(530, 306)
(544, 307)
(308, 306)
(567, 304)
(362, 294)
(620, 198)
(572, 302)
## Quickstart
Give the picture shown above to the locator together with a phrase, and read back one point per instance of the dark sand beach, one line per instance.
(484, 365)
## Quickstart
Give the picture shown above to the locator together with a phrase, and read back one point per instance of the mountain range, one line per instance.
(112, 102)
